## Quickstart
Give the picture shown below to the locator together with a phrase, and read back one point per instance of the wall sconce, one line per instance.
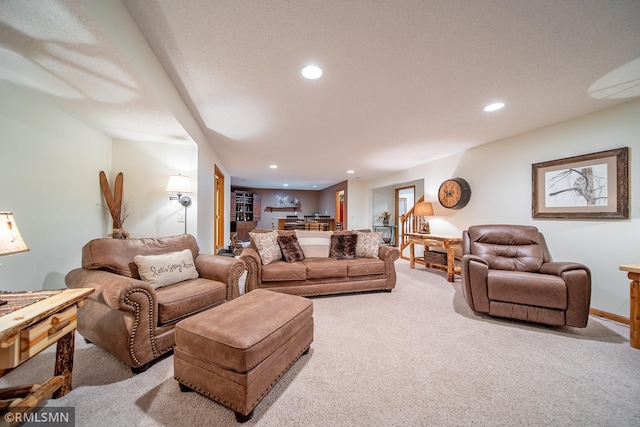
(422, 210)
(180, 184)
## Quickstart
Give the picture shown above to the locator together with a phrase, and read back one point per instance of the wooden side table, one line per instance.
(449, 243)
(633, 273)
(27, 331)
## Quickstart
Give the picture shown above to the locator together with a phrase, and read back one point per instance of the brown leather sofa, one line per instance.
(507, 272)
(322, 275)
(129, 317)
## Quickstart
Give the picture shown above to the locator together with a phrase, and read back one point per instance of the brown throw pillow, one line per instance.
(343, 246)
(291, 250)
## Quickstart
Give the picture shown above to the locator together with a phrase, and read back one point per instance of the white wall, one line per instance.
(146, 167)
(49, 166)
(500, 177)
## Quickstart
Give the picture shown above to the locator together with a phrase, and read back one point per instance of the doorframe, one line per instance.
(219, 216)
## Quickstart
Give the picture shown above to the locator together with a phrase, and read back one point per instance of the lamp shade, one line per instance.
(423, 209)
(10, 239)
(179, 184)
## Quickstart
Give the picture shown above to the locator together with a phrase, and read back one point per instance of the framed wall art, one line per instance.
(590, 186)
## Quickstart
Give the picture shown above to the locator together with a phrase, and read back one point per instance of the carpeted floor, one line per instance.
(414, 357)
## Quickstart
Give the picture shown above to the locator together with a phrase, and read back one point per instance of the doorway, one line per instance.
(340, 207)
(218, 197)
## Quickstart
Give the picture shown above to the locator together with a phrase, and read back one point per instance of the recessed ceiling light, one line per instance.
(350, 171)
(494, 107)
(285, 185)
(273, 166)
(312, 72)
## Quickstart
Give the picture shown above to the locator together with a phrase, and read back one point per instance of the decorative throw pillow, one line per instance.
(291, 250)
(314, 244)
(368, 244)
(343, 246)
(267, 245)
(166, 269)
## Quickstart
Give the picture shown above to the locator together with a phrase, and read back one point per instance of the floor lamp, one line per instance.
(180, 184)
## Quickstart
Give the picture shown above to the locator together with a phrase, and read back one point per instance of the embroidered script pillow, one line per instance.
(166, 269)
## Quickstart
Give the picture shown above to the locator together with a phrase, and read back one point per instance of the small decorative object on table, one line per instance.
(385, 217)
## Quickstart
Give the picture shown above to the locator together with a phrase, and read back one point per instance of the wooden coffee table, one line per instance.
(26, 331)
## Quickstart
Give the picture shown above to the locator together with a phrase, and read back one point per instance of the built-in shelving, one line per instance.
(283, 209)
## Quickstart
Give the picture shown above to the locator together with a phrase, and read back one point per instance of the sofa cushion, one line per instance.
(186, 298)
(314, 244)
(291, 250)
(267, 246)
(116, 255)
(368, 244)
(166, 269)
(343, 246)
(284, 271)
(323, 268)
(365, 267)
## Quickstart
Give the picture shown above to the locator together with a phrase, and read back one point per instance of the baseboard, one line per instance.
(610, 316)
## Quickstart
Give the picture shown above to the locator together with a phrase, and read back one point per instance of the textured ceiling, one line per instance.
(404, 81)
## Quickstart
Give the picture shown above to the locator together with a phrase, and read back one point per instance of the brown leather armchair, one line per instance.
(130, 318)
(507, 272)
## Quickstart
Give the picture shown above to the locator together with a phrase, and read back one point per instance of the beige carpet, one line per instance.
(414, 357)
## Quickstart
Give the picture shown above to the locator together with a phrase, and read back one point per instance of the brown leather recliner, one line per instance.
(132, 319)
(507, 272)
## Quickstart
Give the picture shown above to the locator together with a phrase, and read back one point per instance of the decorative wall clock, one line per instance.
(454, 193)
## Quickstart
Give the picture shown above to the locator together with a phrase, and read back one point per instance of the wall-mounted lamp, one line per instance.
(422, 210)
(180, 184)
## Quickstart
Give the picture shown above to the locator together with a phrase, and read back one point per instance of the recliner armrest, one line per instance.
(557, 268)
(474, 271)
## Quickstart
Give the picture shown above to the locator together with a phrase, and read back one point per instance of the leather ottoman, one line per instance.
(236, 352)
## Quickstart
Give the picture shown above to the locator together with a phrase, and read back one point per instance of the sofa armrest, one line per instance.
(388, 253)
(223, 269)
(252, 259)
(474, 271)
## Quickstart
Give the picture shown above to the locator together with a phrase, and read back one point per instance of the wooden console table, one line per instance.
(27, 331)
(633, 273)
(449, 243)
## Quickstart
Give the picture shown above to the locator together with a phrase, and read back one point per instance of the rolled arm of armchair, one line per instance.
(223, 269)
(111, 289)
(120, 316)
(474, 271)
(577, 277)
(251, 258)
